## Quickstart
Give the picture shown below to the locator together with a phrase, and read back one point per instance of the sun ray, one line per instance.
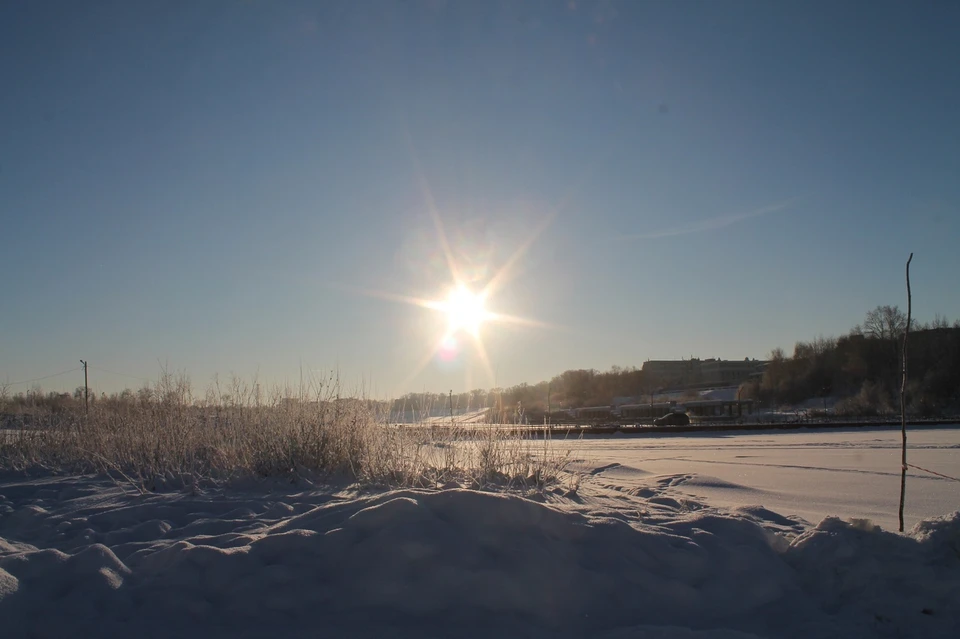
(432, 209)
(422, 364)
(484, 358)
(501, 276)
(395, 297)
(503, 318)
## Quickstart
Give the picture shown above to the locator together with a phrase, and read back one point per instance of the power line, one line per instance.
(37, 379)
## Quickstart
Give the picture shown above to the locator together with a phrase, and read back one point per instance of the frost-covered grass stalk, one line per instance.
(164, 435)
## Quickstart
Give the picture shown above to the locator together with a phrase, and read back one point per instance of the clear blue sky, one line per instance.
(210, 185)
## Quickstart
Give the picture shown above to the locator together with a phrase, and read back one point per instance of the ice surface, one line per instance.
(633, 554)
(810, 474)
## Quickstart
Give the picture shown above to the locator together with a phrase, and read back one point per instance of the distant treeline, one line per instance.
(861, 369)
(570, 389)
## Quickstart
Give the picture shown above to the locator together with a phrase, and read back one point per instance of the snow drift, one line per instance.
(80, 558)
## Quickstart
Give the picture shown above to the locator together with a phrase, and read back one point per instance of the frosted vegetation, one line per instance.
(164, 434)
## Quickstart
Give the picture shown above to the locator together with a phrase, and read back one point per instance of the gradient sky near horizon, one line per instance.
(218, 187)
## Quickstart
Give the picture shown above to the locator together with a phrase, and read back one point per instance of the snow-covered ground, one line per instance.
(471, 417)
(666, 537)
(811, 473)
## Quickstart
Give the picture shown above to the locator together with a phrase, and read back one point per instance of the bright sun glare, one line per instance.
(465, 311)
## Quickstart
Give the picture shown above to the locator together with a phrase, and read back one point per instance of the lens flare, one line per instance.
(448, 349)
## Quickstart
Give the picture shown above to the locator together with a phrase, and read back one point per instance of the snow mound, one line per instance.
(454, 563)
(893, 583)
(705, 481)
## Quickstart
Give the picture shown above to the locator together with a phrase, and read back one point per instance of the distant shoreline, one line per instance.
(611, 429)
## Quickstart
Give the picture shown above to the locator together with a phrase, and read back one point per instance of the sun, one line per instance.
(465, 311)
(465, 308)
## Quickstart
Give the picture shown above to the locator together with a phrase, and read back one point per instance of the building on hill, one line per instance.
(671, 373)
(689, 373)
(721, 372)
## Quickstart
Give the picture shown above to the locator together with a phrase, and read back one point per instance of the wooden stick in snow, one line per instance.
(903, 406)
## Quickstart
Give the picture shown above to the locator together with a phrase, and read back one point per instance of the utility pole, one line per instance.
(548, 403)
(451, 407)
(86, 389)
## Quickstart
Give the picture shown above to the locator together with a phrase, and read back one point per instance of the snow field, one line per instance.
(81, 557)
(812, 473)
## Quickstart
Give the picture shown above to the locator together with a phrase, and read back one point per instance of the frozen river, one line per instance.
(812, 474)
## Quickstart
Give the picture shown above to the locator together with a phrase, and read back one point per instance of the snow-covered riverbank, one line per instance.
(630, 554)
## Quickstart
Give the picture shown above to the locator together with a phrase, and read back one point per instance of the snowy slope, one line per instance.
(82, 557)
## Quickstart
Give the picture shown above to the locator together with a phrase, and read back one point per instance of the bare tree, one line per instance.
(822, 345)
(884, 322)
(887, 323)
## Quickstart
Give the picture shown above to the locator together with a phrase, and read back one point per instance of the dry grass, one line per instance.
(164, 437)
(481, 458)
